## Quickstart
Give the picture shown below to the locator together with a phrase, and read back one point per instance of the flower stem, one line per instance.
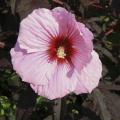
(60, 109)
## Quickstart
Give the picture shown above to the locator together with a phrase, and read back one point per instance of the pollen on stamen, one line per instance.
(61, 52)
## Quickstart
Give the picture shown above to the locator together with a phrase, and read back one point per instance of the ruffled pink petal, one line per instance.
(32, 68)
(66, 21)
(83, 51)
(82, 54)
(86, 34)
(90, 75)
(63, 81)
(37, 30)
(80, 36)
(84, 46)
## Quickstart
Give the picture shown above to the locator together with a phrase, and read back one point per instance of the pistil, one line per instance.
(61, 52)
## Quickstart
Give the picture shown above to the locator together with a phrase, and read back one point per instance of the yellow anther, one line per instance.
(61, 52)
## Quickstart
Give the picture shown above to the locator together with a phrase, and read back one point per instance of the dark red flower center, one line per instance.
(61, 49)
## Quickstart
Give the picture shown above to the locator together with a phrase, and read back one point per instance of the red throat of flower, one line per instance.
(61, 49)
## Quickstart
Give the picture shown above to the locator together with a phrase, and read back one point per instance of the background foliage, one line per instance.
(102, 17)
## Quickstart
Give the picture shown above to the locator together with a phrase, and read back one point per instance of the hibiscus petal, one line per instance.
(82, 54)
(90, 75)
(86, 34)
(37, 30)
(83, 45)
(66, 21)
(78, 34)
(31, 67)
(62, 81)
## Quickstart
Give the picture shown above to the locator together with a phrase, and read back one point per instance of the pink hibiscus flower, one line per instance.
(54, 53)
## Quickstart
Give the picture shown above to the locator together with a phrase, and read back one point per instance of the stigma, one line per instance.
(61, 52)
